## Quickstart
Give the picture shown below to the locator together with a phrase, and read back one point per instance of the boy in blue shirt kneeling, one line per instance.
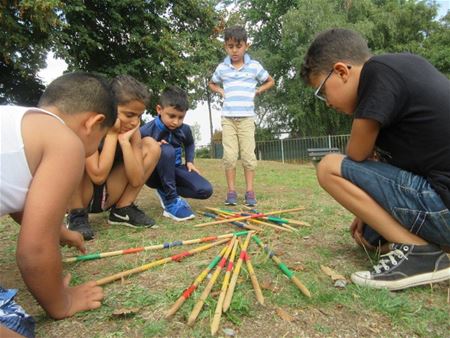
(172, 179)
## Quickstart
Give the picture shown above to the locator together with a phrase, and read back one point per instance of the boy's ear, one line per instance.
(342, 70)
(159, 109)
(93, 121)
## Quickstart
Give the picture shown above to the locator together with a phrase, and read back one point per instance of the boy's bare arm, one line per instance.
(216, 88)
(269, 83)
(363, 135)
(131, 145)
(38, 254)
(99, 165)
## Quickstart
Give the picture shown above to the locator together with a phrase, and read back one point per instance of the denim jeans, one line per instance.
(407, 197)
(13, 316)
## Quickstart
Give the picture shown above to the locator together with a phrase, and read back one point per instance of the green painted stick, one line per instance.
(219, 307)
(248, 217)
(256, 221)
(166, 245)
(199, 305)
(283, 267)
(237, 269)
(188, 292)
(150, 265)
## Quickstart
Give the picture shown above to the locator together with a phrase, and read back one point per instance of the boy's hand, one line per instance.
(191, 167)
(115, 129)
(126, 137)
(162, 142)
(72, 239)
(221, 91)
(357, 228)
(83, 297)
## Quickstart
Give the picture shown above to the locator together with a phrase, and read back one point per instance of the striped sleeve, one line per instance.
(217, 76)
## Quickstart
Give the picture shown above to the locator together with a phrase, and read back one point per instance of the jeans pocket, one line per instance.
(434, 227)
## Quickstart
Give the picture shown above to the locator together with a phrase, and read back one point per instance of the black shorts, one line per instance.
(99, 198)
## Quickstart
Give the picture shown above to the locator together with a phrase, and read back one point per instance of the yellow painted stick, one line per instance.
(247, 217)
(255, 283)
(218, 313)
(166, 245)
(256, 221)
(187, 293)
(237, 269)
(198, 306)
(150, 265)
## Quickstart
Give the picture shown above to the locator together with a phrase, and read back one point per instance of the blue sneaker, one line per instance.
(162, 197)
(250, 198)
(179, 210)
(231, 198)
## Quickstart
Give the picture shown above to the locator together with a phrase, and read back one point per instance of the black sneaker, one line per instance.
(130, 216)
(406, 266)
(78, 221)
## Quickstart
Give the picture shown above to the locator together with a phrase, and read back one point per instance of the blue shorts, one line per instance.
(13, 316)
(409, 198)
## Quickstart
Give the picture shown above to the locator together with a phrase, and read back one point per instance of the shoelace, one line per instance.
(389, 258)
(135, 207)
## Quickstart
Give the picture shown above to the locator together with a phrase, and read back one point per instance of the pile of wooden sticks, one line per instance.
(224, 261)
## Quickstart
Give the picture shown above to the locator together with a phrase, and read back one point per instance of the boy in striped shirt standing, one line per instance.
(236, 79)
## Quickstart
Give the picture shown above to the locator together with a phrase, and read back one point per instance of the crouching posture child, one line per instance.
(41, 163)
(401, 112)
(116, 173)
(172, 178)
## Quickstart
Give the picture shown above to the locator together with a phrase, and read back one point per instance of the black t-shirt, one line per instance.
(411, 101)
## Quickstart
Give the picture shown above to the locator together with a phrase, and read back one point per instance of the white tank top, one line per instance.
(15, 176)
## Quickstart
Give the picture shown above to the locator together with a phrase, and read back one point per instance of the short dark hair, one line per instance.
(237, 33)
(332, 46)
(79, 92)
(126, 89)
(176, 97)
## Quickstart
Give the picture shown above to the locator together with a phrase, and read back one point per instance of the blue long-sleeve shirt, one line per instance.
(178, 138)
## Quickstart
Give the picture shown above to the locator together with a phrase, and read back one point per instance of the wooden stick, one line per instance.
(257, 221)
(165, 245)
(150, 265)
(219, 307)
(237, 269)
(255, 283)
(198, 306)
(283, 267)
(238, 224)
(188, 292)
(247, 217)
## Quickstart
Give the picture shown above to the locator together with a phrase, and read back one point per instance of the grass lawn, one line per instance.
(330, 312)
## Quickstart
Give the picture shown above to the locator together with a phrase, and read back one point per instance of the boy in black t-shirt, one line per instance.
(396, 176)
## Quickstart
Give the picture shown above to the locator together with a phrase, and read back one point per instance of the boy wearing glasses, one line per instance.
(401, 115)
(239, 75)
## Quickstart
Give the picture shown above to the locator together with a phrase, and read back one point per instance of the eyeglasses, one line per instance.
(322, 96)
(318, 93)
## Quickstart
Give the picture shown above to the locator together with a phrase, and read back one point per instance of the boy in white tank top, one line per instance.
(37, 146)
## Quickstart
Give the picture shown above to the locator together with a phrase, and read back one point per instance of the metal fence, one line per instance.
(291, 149)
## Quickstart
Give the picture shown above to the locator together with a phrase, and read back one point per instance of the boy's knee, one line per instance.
(249, 164)
(149, 145)
(167, 152)
(328, 165)
(229, 162)
(205, 191)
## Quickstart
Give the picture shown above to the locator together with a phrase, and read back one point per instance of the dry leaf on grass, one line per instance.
(268, 285)
(284, 315)
(331, 273)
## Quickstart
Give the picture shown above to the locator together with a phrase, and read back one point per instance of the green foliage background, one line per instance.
(179, 42)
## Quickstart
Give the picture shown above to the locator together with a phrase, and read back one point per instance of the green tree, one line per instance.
(25, 38)
(158, 42)
(281, 31)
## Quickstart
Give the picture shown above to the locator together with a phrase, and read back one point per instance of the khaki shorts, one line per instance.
(238, 137)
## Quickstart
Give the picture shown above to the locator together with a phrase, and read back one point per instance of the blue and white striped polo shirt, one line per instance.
(239, 85)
